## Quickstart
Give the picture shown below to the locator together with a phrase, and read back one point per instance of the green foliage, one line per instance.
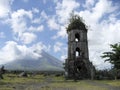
(113, 56)
(76, 22)
(104, 74)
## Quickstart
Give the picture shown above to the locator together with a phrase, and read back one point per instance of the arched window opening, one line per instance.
(76, 40)
(77, 52)
(77, 37)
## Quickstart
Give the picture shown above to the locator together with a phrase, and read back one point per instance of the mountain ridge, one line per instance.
(45, 63)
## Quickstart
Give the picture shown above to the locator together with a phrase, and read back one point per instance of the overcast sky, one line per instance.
(29, 26)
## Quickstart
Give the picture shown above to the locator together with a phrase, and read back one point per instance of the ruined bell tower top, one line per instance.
(76, 22)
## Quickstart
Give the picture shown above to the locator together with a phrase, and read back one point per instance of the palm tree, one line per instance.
(113, 57)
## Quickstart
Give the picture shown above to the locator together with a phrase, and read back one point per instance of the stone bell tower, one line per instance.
(77, 64)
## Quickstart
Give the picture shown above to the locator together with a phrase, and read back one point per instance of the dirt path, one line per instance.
(102, 85)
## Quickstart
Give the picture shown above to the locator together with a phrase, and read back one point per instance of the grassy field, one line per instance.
(41, 82)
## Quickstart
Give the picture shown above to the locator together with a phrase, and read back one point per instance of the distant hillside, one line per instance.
(45, 63)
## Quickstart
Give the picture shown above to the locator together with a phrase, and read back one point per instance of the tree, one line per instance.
(113, 57)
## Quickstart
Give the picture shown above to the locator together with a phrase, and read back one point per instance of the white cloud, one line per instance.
(35, 10)
(40, 28)
(63, 10)
(44, 15)
(18, 20)
(61, 33)
(2, 35)
(13, 51)
(36, 29)
(58, 46)
(89, 4)
(8, 56)
(39, 47)
(18, 23)
(36, 21)
(52, 24)
(5, 8)
(23, 32)
(63, 57)
(21, 12)
(102, 7)
(28, 38)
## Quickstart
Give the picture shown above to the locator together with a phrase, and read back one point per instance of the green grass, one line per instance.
(60, 82)
(111, 82)
(12, 81)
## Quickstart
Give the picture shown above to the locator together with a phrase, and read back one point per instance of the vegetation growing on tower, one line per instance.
(76, 22)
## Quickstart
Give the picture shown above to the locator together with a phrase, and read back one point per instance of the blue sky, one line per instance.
(27, 27)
